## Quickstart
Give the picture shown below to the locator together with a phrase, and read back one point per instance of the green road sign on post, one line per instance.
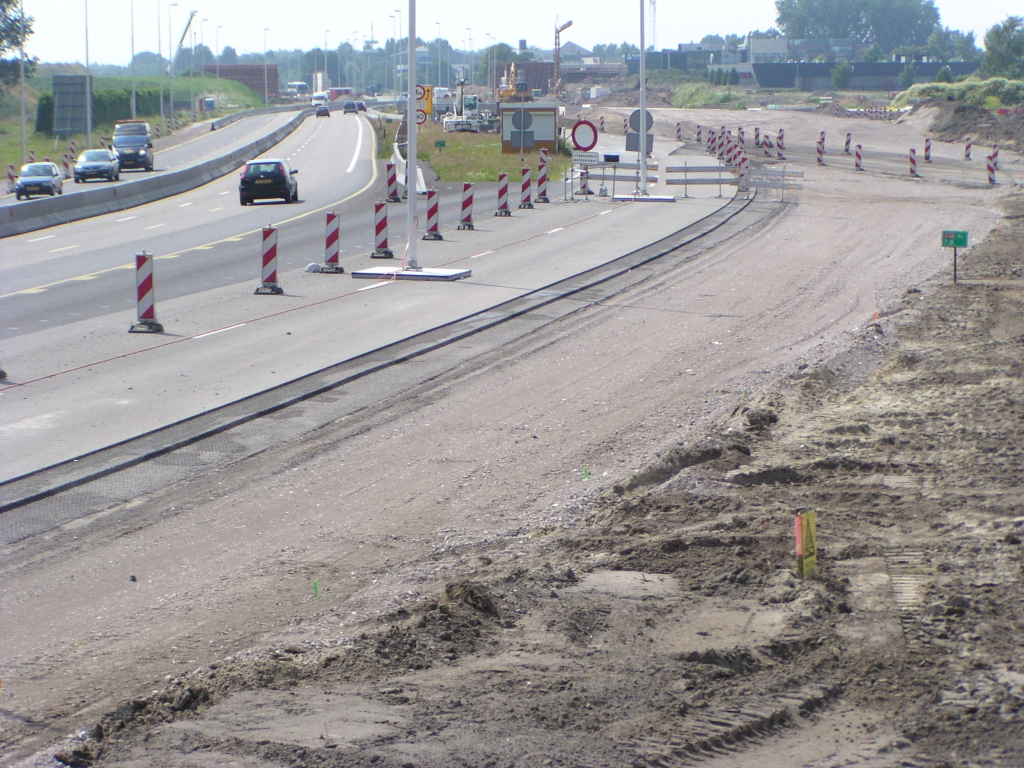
(954, 239)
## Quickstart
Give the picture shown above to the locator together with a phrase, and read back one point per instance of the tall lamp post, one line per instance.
(170, 67)
(266, 97)
(472, 74)
(643, 108)
(410, 172)
(88, 83)
(439, 83)
(325, 57)
(398, 76)
(160, 60)
(216, 58)
(202, 63)
(131, 22)
(394, 57)
(24, 121)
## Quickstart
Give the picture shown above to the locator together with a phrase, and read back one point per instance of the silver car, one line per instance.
(39, 179)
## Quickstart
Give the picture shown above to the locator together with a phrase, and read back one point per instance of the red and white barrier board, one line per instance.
(332, 245)
(392, 184)
(927, 150)
(913, 162)
(466, 221)
(503, 196)
(967, 150)
(268, 284)
(433, 233)
(542, 177)
(857, 166)
(145, 298)
(380, 232)
(524, 197)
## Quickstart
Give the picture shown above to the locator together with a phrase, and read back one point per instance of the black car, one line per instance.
(97, 164)
(134, 151)
(268, 179)
(39, 179)
(349, 108)
(361, 106)
(323, 111)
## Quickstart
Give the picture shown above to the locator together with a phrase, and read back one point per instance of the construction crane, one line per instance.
(558, 56)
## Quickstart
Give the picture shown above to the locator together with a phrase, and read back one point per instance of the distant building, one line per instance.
(814, 76)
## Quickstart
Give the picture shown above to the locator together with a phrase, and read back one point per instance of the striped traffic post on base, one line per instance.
(995, 156)
(332, 245)
(990, 166)
(503, 196)
(778, 150)
(268, 284)
(145, 298)
(600, 124)
(524, 196)
(927, 150)
(740, 136)
(625, 125)
(856, 163)
(767, 152)
(392, 173)
(913, 162)
(679, 131)
(432, 217)
(820, 152)
(158, 130)
(31, 155)
(846, 149)
(380, 232)
(781, 141)
(542, 177)
(822, 142)
(12, 177)
(837, 109)
(967, 149)
(757, 137)
(698, 135)
(584, 183)
(466, 222)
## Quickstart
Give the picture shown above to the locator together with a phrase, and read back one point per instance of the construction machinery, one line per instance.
(558, 57)
(467, 116)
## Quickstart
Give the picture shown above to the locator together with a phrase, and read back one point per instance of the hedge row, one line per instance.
(971, 91)
(108, 106)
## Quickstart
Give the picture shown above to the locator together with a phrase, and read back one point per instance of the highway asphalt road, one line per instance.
(190, 146)
(79, 382)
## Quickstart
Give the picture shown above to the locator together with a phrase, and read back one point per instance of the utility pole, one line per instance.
(88, 83)
(170, 67)
(643, 108)
(131, 21)
(216, 44)
(24, 123)
(266, 98)
(159, 61)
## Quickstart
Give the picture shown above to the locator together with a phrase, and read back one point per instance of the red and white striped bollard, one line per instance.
(268, 284)
(380, 232)
(679, 131)
(741, 137)
(600, 124)
(332, 245)
(432, 233)
(503, 196)
(757, 136)
(856, 163)
(145, 297)
(927, 150)
(995, 156)
(913, 162)
(12, 177)
(781, 140)
(524, 195)
(822, 142)
(990, 166)
(542, 177)
(846, 149)
(31, 155)
(698, 135)
(967, 149)
(392, 174)
(584, 183)
(625, 125)
(820, 151)
(466, 222)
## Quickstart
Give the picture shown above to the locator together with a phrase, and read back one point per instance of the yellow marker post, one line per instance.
(806, 545)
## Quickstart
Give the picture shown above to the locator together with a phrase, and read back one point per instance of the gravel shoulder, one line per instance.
(578, 549)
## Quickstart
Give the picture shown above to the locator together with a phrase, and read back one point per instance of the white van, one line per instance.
(319, 98)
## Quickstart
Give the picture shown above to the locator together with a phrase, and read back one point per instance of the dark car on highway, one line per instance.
(134, 151)
(39, 179)
(323, 111)
(97, 164)
(265, 179)
(349, 108)
(361, 106)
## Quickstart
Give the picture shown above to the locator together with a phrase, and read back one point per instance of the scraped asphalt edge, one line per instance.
(51, 211)
(72, 473)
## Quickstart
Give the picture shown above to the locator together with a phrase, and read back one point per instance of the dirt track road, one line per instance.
(613, 527)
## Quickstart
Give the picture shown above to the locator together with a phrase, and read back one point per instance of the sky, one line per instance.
(60, 24)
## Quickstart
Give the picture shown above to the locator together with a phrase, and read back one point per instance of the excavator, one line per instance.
(467, 117)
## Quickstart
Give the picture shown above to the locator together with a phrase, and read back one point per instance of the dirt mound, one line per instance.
(955, 121)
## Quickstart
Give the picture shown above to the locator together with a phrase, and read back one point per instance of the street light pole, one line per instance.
(131, 21)
(159, 61)
(88, 83)
(202, 62)
(24, 119)
(394, 57)
(266, 97)
(472, 74)
(411, 175)
(643, 108)
(216, 58)
(439, 83)
(170, 67)
(325, 57)
(398, 76)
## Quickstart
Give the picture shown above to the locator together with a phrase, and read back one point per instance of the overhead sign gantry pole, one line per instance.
(642, 190)
(411, 175)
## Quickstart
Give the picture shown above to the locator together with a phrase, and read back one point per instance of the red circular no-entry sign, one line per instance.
(584, 135)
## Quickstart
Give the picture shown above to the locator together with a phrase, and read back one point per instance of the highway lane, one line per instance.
(202, 239)
(186, 148)
(88, 383)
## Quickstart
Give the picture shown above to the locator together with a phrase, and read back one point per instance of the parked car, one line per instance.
(361, 106)
(97, 164)
(349, 108)
(323, 111)
(268, 178)
(39, 179)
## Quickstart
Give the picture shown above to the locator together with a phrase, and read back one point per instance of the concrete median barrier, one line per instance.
(36, 214)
